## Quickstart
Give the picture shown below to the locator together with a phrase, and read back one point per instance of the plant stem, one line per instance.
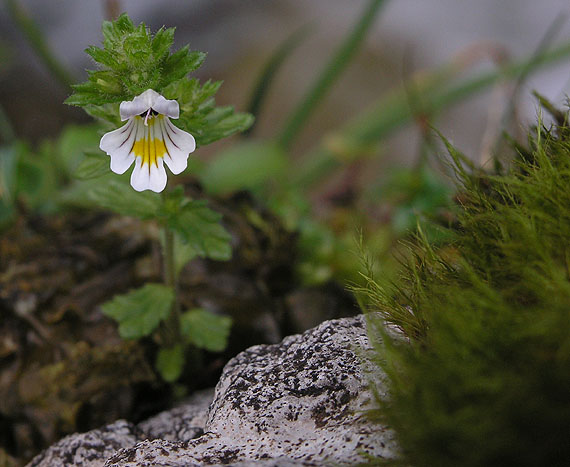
(172, 324)
(331, 72)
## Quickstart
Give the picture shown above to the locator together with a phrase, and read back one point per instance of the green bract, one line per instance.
(133, 60)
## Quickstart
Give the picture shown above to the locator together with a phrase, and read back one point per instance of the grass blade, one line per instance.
(329, 75)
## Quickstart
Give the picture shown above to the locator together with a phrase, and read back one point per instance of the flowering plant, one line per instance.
(148, 139)
(140, 81)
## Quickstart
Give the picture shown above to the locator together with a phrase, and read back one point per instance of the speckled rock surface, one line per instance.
(89, 449)
(299, 402)
(182, 423)
(92, 449)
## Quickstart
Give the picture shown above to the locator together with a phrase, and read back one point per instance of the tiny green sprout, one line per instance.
(139, 81)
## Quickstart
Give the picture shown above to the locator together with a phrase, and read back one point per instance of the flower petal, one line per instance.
(179, 145)
(118, 144)
(138, 105)
(147, 100)
(148, 176)
(167, 107)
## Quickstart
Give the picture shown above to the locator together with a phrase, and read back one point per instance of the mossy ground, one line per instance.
(483, 375)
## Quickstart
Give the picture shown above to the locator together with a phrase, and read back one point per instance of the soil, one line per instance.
(63, 367)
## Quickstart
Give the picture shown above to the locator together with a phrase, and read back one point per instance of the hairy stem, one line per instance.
(171, 335)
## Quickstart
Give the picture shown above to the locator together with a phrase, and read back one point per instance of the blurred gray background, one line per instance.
(240, 35)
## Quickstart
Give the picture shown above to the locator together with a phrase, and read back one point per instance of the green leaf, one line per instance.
(94, 165)
(163, 40)
(206, 330)
(189, 94)
(114, 31)
(393, 111)
(199, 115)
(247, 165)
(229, 125)
(200, 227)
(73, 142)
(118, 196)
(215, 124)
(108, 113)
(197, 225)
(7, 212)
(132, 61)
(140, 312)
(104, 57)
(170, 362)
(336, 65)
(179, 64)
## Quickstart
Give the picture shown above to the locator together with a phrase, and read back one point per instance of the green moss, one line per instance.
(483, 377)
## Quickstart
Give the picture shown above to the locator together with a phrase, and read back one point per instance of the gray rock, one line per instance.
(182, 423)
(93, 448)
(89, 449)
(300, 402)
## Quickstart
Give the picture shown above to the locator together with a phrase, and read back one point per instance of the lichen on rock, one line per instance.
(300, 402)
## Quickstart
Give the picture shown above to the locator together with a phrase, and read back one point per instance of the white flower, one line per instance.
(149, 139)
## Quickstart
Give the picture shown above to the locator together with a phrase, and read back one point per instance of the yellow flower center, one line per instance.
(148, 147)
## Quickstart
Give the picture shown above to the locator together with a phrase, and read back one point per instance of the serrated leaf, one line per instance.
(189, 94)
(94, 165)
(104, 57)
(200, 227)
(140, 312)
(170, 362)
(113, 31)
(180, 63)
(209, 123)
(108, 113)
(245, 166)
(206, 330)
(162, 41)
(132, 61)
(225, 127)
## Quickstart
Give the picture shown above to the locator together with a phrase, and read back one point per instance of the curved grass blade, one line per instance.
(270, 70)
(393, 112)
(332, 71)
